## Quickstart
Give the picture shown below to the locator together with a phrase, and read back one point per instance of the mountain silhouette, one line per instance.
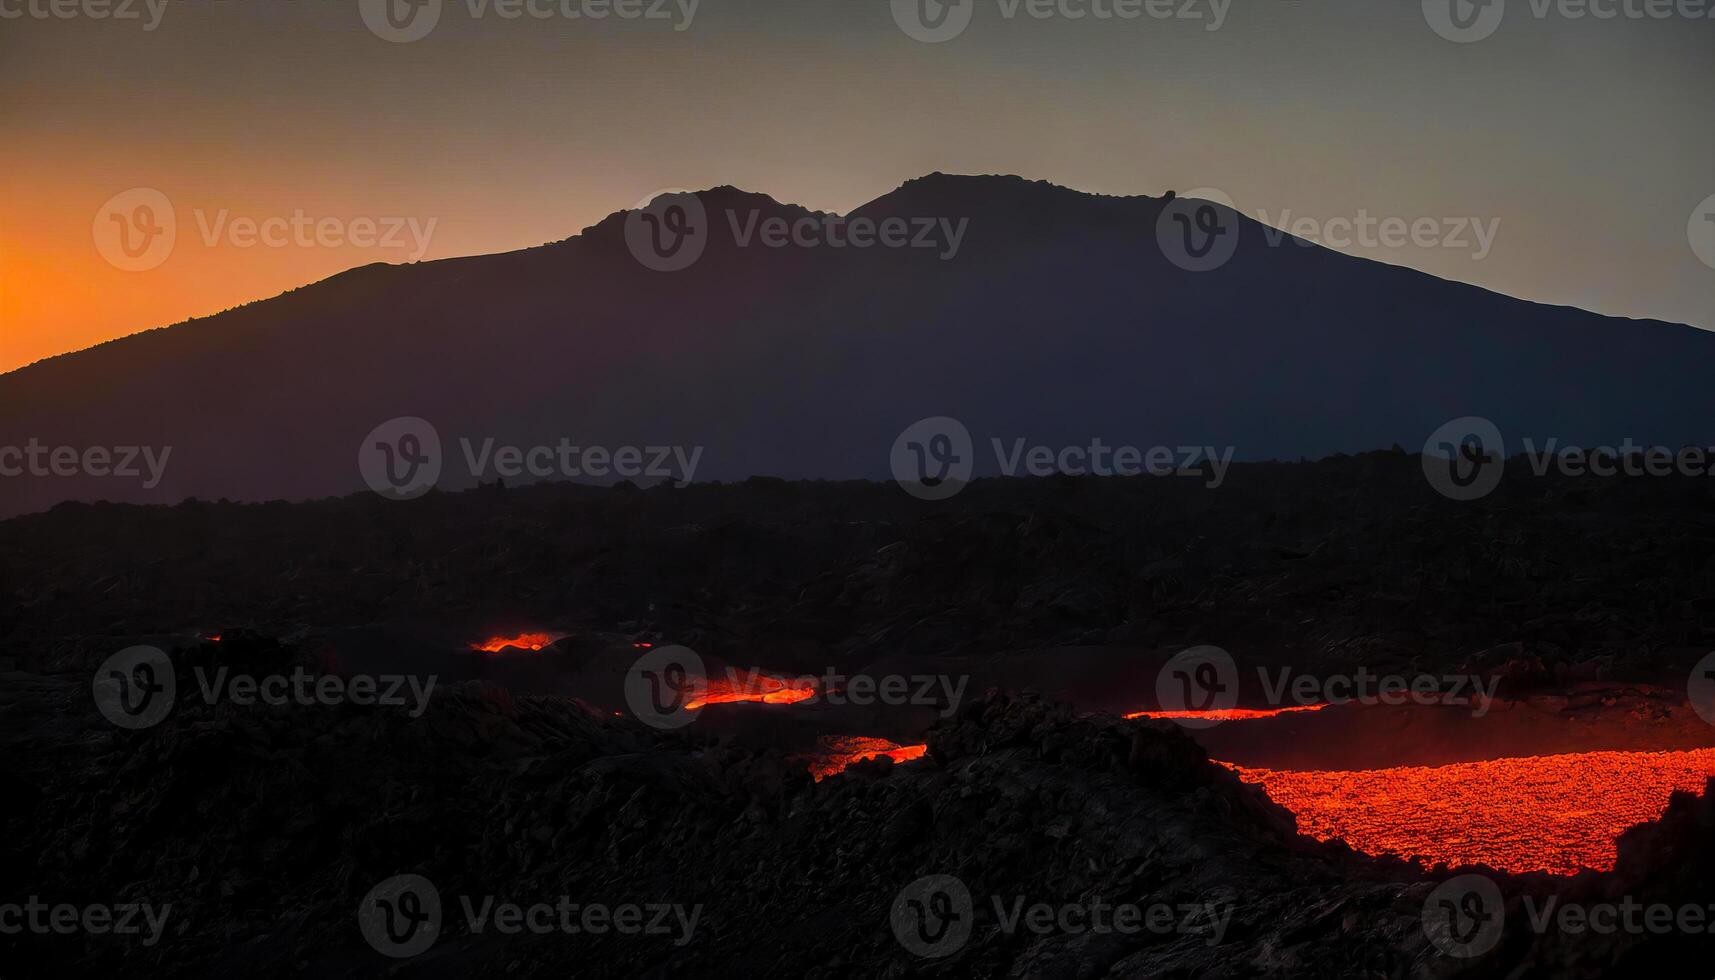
(1059, 318)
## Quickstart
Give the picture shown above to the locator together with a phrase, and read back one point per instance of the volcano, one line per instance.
(1058, 319)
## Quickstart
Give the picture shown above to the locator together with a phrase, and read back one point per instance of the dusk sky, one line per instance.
(1588, 140)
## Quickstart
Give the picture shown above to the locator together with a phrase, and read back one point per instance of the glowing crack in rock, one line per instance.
(1226, 714)
(1555, 813)
(523, 641)
(836, 752)
(752, 686)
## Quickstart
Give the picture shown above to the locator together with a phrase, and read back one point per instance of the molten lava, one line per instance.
(1227, 714)
(752, 686)
(1556, 813)
(523, 641)
(835, 752)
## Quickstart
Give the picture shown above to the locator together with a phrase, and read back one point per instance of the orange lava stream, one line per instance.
(753, 686)
(1227, 714)
(1556, 813)
(836, 752)
(524, 641)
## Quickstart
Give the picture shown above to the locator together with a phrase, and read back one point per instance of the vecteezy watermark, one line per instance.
(1700, 688)
(934, 916)
(402, 21)
(1199, 688)
(1464, 917)
(1465, 459)
(403, 916)
(1195, 685)
(1365, 230)
(943, 692)
(1701, 231)
(138, 687)
(146, 12)
(1363, 687)
(123, 919)
(670, 230)
(1466, 21)
(934, 21)
(1200, 231)
(145, 463)
(401, 459)
(136, 230)
(668, 685)
(933, 458)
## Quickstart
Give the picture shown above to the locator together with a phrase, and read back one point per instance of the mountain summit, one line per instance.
(801, 344)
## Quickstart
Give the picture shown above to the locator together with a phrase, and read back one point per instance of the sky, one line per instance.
(1560, 158)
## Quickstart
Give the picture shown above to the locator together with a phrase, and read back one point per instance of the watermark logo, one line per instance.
(662, 686)
(149, 12)
(400, 459)
(1464, 917)
(933, 21)
(1700, 688)
(567, 460)
(401, 917)
(403, 21)
(147, 464)
(400, 21)
(1198, 231)
(933, 916)
(1701, 231)
(933, 458)
(127, 919)
(1199, 689)
(1465, 458)
(670, 232)
(136, 687)
(1203, 679)
(136, 229)
(1628, 915)
(1464, 21)
(1465, 233)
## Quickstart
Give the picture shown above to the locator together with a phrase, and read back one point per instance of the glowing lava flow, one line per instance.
(1227, 714)
(752, 686)
(836, 752)
(1555, 813)
(523, 641)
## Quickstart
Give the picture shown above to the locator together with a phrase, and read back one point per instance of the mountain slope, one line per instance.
(1057, 319)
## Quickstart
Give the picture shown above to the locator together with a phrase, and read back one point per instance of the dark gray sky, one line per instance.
(1590, 141)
